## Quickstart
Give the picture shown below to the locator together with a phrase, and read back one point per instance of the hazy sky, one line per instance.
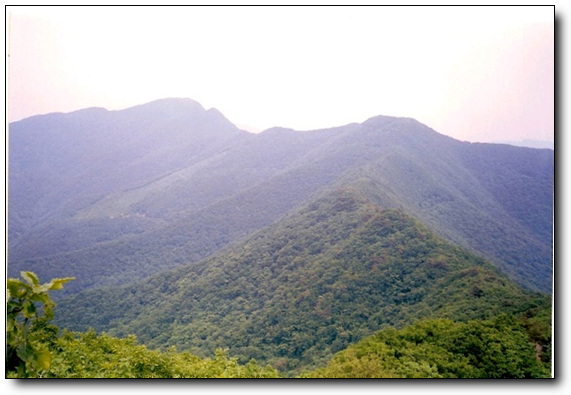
(474, 73)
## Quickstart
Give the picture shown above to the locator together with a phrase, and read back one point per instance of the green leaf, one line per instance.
(29, 309)
(30, 277)
(40, 297)
(14, 288)
(25, 351)
(44, 360)
(57, 283)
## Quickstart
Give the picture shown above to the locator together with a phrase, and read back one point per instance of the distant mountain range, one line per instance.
(177, 224)
(168, 183)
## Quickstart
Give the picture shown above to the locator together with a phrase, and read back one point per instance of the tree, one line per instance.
(35, 349)
(28, 332)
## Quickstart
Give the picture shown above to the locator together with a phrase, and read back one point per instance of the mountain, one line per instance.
(60, 164)
(114, 196)
(329, 274)
(284, 246)
(541, 144)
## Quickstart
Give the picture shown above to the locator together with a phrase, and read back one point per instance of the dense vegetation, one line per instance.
(283, 247)
(496, 348)
(305, 288)
(34, 347)
(503, 347)
(116, 196)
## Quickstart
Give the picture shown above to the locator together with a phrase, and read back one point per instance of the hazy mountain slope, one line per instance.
(520, 179)
(194, 184)
(495, 200)
(62, 163)
(244, 197)
(187, 240)
(213, 172)
(303, 288)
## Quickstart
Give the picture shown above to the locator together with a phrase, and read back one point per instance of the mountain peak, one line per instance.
(169, 106)
(384, 120)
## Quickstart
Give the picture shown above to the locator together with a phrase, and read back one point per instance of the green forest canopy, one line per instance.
(503, 347)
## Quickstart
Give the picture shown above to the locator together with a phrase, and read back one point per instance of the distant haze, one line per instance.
(473, 73)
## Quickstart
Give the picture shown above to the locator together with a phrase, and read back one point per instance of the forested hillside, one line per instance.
(110, 196)
(305, 288)
(286, 247)
(504, 347)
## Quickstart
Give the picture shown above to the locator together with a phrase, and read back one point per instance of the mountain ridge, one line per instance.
(154, 183)
(319, 279)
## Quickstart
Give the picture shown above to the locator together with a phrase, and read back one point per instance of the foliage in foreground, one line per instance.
(503, 347)
(28, 312)
(441, 348)
(34, 349)
(88, 355)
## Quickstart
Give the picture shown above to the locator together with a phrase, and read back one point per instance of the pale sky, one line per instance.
(473, 73)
